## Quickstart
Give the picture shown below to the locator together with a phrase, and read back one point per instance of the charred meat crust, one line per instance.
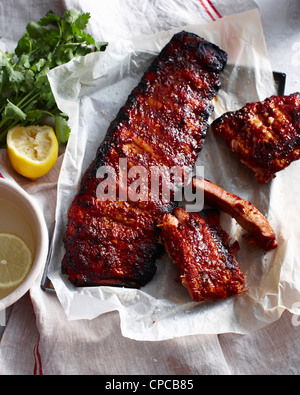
(200, 248)
(259, 230)
(264, 135)
(164, 122)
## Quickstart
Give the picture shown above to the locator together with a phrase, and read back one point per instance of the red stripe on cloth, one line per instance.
(210, 9)
(38, 367)
(214, 8)
(1, 176)
(207, 10)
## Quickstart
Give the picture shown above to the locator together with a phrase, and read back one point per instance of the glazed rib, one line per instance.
(259, 230)
(264, 135)
(163, 123)
(200, 248)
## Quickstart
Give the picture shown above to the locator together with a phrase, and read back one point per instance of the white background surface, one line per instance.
(29, 345)
(280, 19)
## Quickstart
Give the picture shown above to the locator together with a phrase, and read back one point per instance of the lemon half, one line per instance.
(15, 260)
(32, 150)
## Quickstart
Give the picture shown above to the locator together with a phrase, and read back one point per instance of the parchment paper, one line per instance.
(92, 90)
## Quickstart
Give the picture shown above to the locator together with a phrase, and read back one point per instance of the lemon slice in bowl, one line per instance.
(15, 260)
(32, 150)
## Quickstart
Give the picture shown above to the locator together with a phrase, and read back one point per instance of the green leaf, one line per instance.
(51, 37)
(38, 66)
(49, 19)
(67, 32)
(82, 51)
(13, 112)
(24, 45)
(86, 38)
(101, 45)
(6, 58)
(62, 128)
(41, 80)
(14, 75)
(23, 63)
(34, 115)
(64, 55)
(47, 97)
(82, 21)
(28, 83)
(71, 16)
(35, 30)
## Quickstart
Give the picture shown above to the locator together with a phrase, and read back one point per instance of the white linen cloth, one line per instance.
(38, 337)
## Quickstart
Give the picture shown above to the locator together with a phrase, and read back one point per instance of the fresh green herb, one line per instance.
(25, 93)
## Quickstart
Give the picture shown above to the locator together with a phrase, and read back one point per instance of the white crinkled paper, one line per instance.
(92, 90)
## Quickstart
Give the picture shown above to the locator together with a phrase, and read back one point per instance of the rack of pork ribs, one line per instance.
(265, 136)
(163, 123)
(201, 249)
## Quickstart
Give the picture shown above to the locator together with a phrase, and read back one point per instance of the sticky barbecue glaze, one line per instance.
(164, 122)
(259, 230)
(200, 248)
(264, 135)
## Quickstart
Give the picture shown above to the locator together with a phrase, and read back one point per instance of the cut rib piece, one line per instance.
(200, 248)
(259, 229)
(163, 123)
(264, 135)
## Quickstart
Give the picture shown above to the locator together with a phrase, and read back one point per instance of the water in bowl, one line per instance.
(12, 220)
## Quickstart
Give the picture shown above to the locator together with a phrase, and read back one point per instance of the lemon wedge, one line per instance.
(32, 150)
(15, 260)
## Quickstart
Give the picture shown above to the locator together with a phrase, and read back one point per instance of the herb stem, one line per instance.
(29, 99)
(24, 99)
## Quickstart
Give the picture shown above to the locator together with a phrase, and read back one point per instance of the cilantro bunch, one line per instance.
(25, 93)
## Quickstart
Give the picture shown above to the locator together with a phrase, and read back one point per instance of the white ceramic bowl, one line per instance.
(20, 215)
